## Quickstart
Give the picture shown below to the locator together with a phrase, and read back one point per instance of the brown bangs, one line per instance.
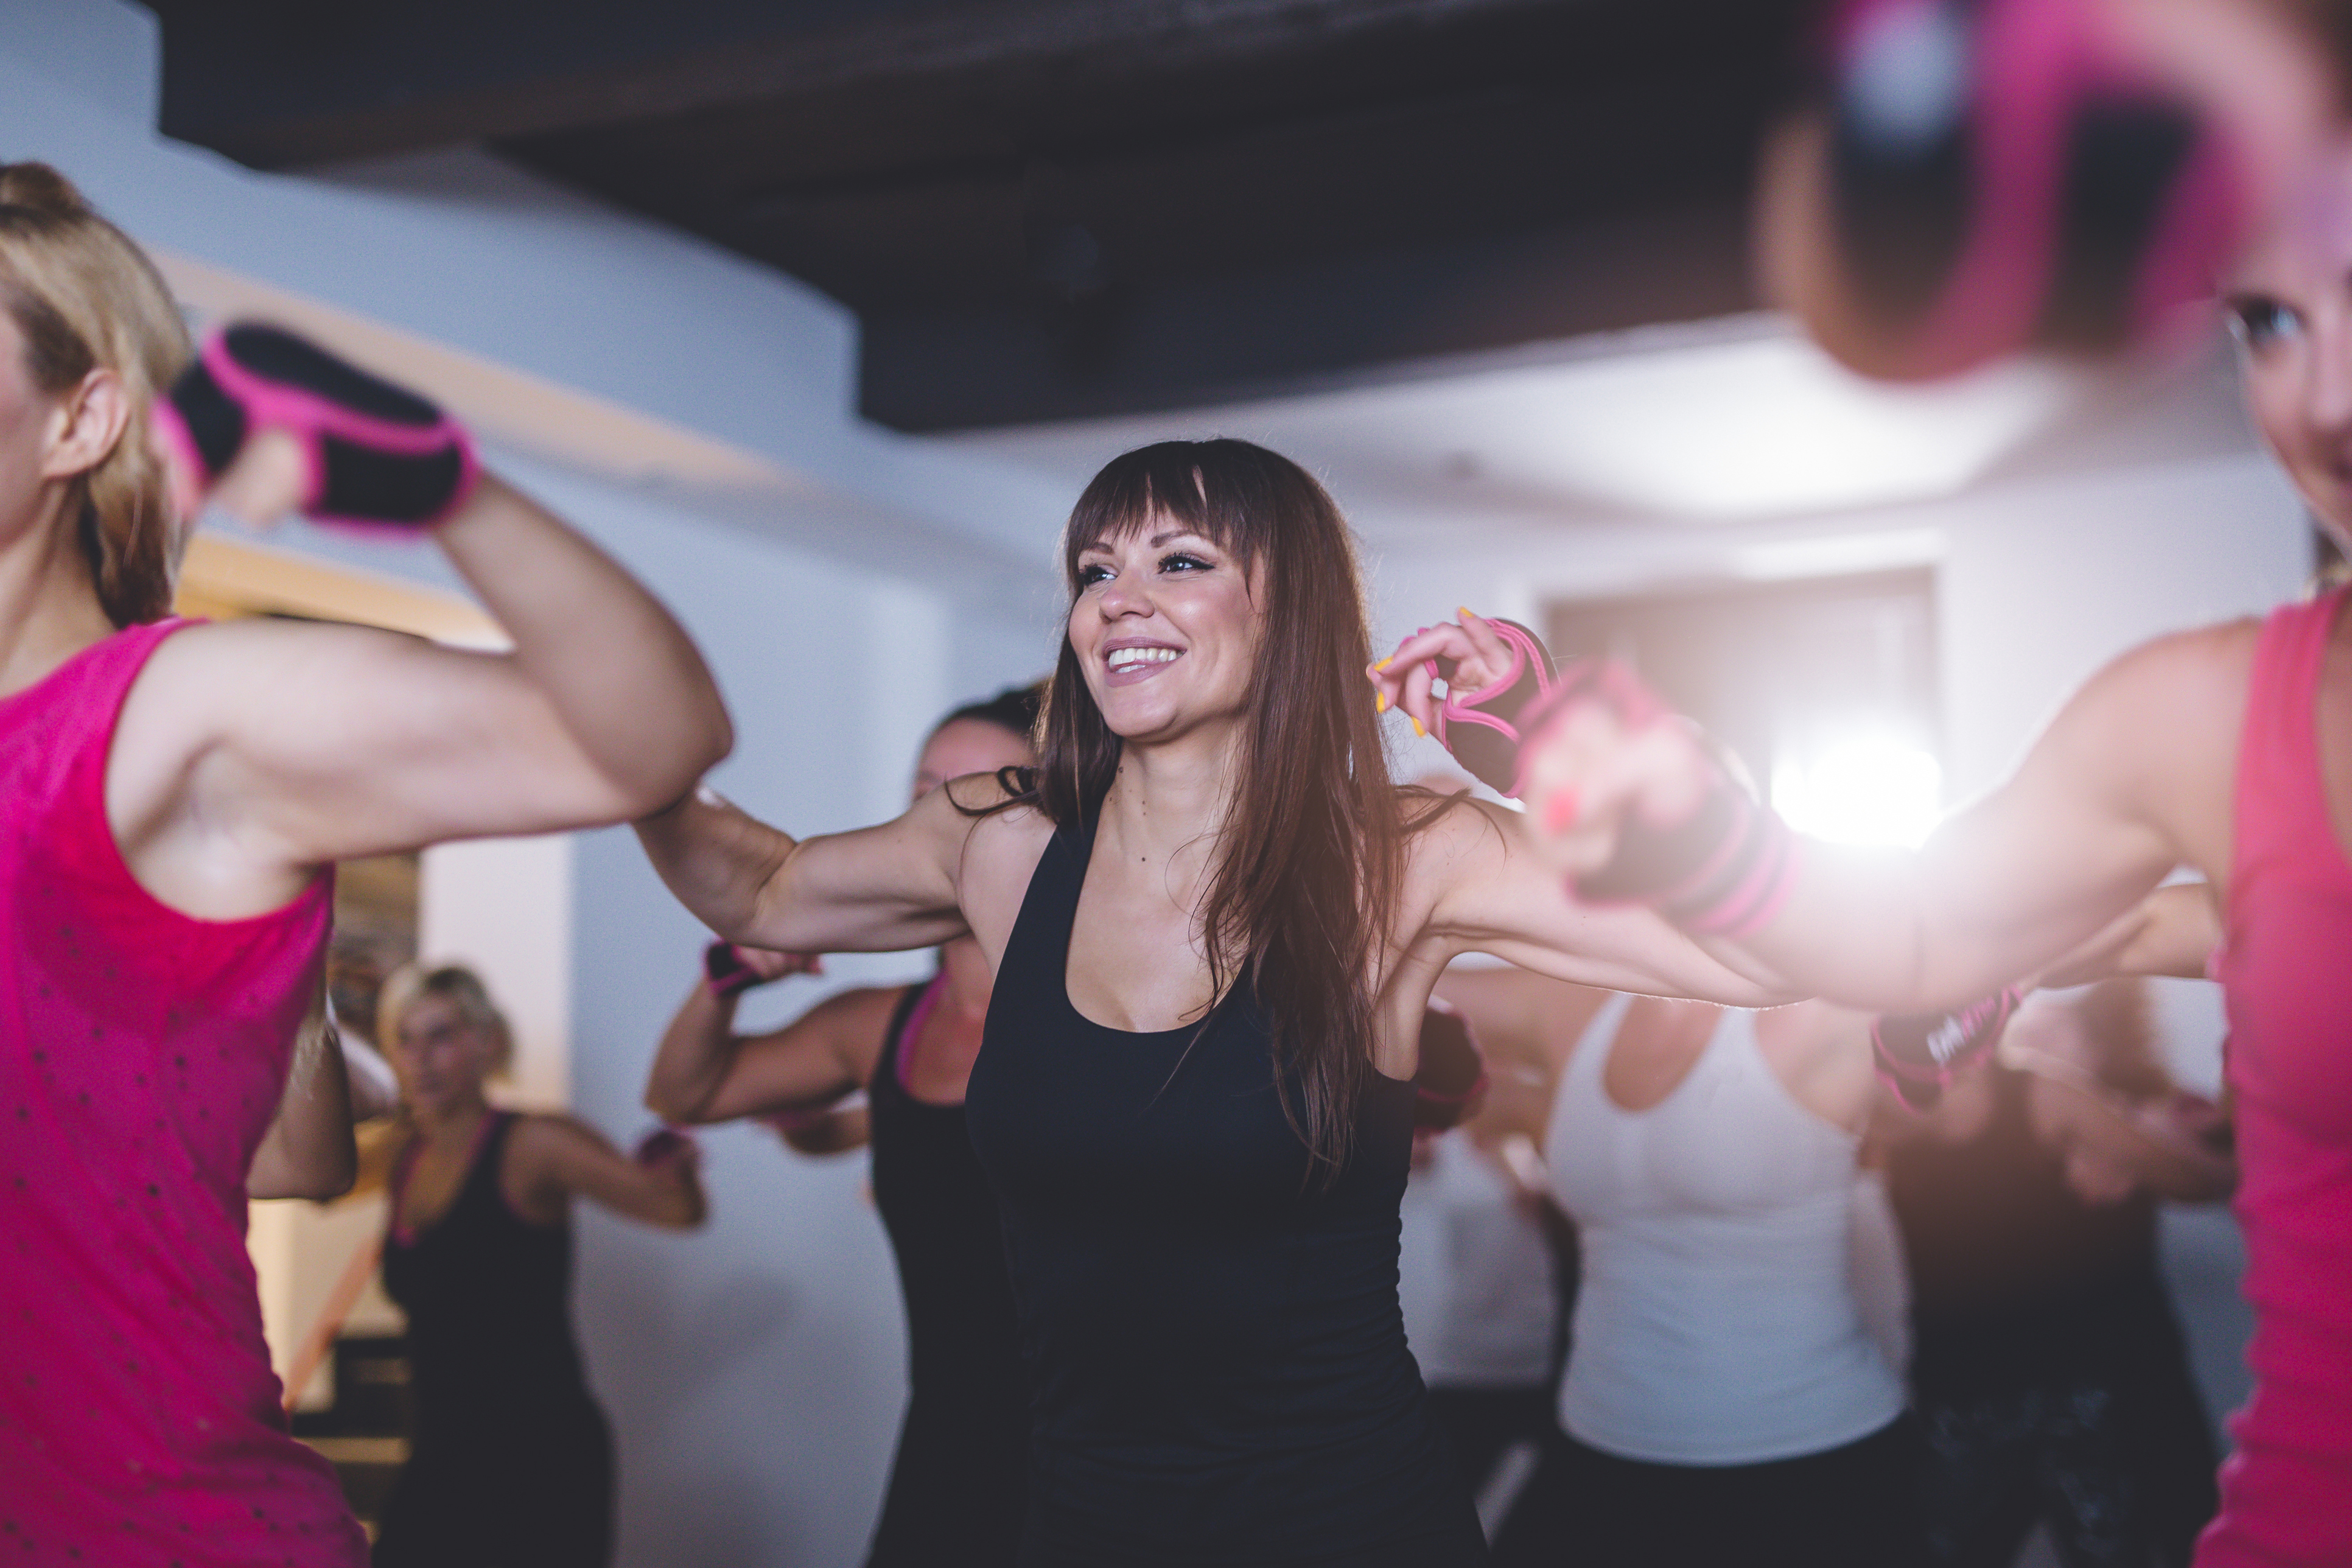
(1167, 481)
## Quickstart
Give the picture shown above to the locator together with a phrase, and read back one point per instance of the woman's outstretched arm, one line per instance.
(2130, 781)
(1494, 893)
(878, 889)
(550, 1158)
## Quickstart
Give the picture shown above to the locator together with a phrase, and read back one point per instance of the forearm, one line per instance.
(697, 1051)
(716, 859)
(620, 674)
(1893, 932)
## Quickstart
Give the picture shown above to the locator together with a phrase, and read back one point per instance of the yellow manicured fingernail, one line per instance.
(1463, 611)
(1386, 662)
(1416, 726)
(1380, 701)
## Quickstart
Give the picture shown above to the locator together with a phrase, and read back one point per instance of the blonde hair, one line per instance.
(85, 298)
(413, 983)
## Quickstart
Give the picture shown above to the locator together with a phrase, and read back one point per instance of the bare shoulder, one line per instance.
(1443, 835)
(2165, 713)
(2207, 662)
(1003, 838)
(1451, 840)
(186, 697)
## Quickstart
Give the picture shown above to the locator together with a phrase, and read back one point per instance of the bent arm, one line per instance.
(558, 1156)
(2125, 785)
(320, 742)
(705, 1072)
(1495, 896)
(836, 1132)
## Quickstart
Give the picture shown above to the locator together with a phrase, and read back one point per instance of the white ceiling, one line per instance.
(1731, 420)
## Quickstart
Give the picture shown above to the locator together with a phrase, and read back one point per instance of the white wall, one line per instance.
(503, 907)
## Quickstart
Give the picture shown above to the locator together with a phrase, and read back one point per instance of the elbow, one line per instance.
(655, 783)
(328, 1189)
(321, 1181)
(673, 1110)
(708, 737)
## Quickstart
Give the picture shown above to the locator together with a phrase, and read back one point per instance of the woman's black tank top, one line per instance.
(1217, 1362)
(488, 1295)
(957, 1483)
(510, 1460)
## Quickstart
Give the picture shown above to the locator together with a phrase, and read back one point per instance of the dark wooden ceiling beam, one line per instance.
(282, 83)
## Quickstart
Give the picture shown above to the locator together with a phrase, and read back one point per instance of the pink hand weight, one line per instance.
(1482, 728)
(1723, 868)
(1919, 1055)
(725, 971)
(380, 458)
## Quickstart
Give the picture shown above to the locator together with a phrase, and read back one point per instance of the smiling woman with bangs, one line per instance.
(1214, 922)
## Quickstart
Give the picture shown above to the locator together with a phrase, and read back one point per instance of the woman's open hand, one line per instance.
(1404, 679)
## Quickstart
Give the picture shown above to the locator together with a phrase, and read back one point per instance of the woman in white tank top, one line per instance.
(1724, 1405)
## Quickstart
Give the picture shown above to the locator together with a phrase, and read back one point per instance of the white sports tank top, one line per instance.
(1717, 1323)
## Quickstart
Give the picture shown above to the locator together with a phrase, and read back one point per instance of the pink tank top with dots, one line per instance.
(141, 1055)
(2286, 1492)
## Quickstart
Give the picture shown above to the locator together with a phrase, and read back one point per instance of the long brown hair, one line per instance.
(83, 297)
(1310, 856)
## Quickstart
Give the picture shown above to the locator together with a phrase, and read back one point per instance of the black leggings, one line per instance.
(1480, 1424)
(1848, 1507)
(2116, 1459)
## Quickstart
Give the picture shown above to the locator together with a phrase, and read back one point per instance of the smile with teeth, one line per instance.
(1124, 659)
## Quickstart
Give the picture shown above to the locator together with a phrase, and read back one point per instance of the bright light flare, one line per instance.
(1875, 789)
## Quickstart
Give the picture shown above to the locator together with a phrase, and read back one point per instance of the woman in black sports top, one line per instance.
(1214, 924)
(956, 1483)
(511, 1461)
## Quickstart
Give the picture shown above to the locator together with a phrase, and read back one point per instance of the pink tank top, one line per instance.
(2286, 1492)
(141, 1054)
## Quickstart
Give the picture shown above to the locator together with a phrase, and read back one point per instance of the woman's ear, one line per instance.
(86, 425)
